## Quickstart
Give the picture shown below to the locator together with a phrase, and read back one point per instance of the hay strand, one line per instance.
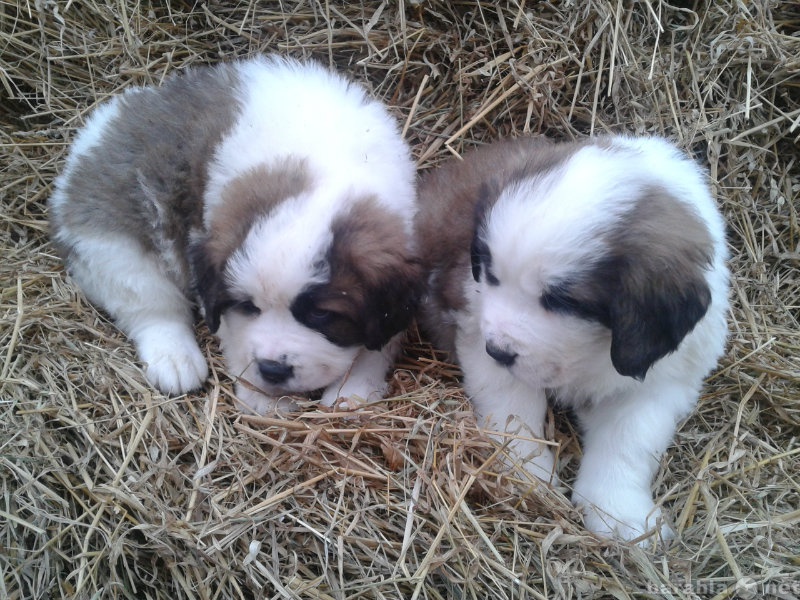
(112, 490)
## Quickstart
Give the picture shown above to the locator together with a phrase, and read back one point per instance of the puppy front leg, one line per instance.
(623, 441)
(121, 277)
(507, 406)
(366, 379)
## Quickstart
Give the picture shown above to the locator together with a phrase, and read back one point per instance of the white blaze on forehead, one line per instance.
(348, 141)
(554, 217)
(283, 252)
(559, 218)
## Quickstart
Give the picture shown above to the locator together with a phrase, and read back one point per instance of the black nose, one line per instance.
(275, 371)
(504, 357)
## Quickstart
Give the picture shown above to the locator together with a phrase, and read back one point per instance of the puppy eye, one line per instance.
(247, 308)
(556, 300)
(318, 316)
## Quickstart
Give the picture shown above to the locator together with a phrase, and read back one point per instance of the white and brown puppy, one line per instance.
(278, 193)
(593, 272)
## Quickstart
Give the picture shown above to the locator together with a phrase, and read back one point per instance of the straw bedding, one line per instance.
(110, 490)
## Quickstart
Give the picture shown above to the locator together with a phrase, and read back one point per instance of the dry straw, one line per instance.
(110, 490)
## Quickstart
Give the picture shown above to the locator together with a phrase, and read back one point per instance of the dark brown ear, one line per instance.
(651, 314)
(208, 284)
(659, 293)
(372, 263)
(391, 305)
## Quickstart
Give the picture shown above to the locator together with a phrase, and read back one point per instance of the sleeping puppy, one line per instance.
(593, 272)
(275, 192)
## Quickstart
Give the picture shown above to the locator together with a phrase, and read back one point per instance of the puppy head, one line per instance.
(578, 269)
(308, 283)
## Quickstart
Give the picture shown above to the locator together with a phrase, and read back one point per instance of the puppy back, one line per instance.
(138, 167)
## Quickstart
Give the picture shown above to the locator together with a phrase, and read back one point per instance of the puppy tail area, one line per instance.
(132, 285)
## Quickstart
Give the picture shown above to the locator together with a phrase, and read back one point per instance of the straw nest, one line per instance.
(110, 490)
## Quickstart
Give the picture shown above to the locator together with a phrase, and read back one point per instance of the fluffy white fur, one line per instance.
(249, 115)
(549, 226)
(354, 152)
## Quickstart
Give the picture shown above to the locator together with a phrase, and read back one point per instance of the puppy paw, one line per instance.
(351, 395)
(538, 460)
(542, 466)
(341, 402)
(256, 402)
(331, 398)
(174, 363)
(625, 517)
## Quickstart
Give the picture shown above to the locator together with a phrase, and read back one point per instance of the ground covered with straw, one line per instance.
(111, 490)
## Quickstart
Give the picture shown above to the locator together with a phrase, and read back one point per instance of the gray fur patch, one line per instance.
(146, 176)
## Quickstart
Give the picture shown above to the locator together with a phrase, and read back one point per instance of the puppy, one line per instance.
(593, 272)
(279, 195)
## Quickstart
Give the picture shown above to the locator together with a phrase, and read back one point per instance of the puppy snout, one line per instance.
(275, 372)
(503, 356)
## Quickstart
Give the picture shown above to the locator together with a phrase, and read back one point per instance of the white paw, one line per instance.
(542, 465)
(174, 363)
(623, 516)
(538, 459)
(331, 397)
(258, 403)
(350, 394)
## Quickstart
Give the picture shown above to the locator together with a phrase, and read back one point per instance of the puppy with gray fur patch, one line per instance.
(592, 272)
(278, 194)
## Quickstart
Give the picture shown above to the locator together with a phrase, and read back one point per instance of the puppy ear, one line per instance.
(658, 262)
(391, 305)
(208, 284)
(375, 272)
(651, 316)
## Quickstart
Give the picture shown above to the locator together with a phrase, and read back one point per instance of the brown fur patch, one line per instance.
(371, 256)
(664, 249)
(248, 197)
(659, 242)
(676, 239)
(649, 288)
(375, 279)
(368, 243)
